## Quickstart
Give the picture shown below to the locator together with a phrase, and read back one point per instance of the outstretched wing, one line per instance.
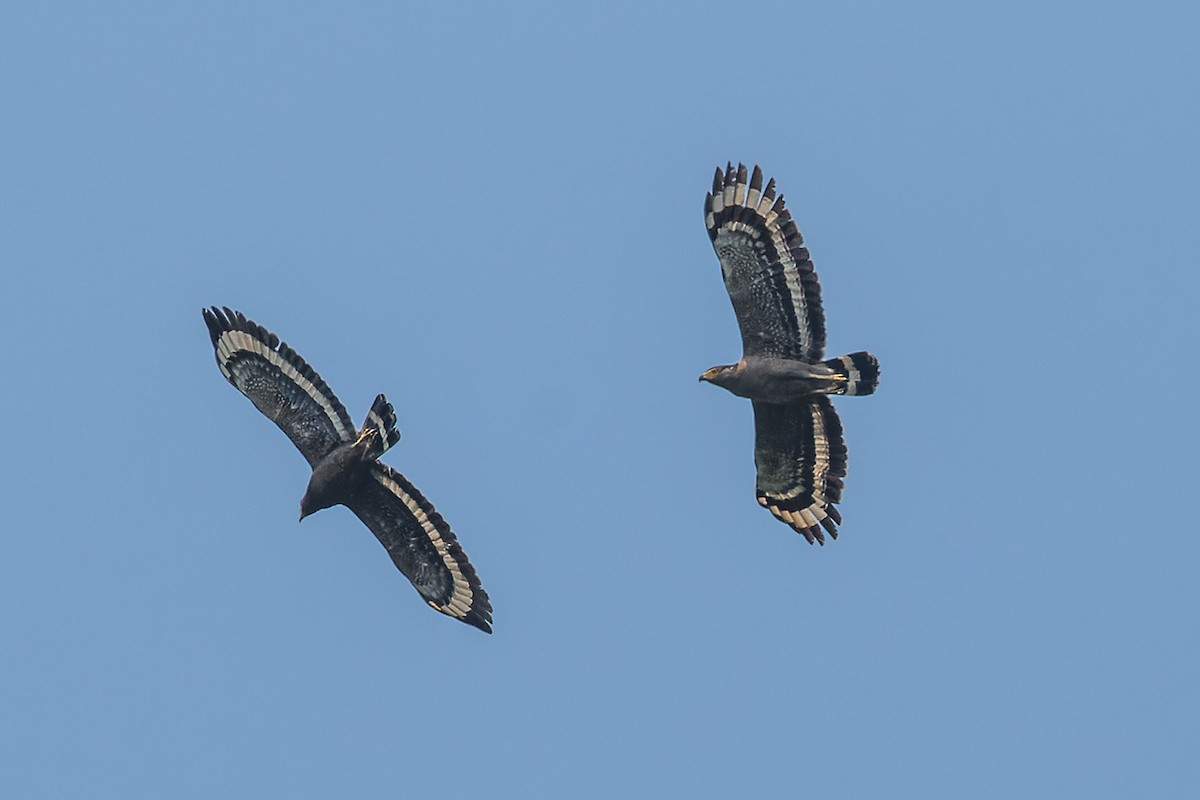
(422, 546)
(801, 460)
(279, 383)
(768, 274)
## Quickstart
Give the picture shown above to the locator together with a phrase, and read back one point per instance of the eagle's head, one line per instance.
(314, 498)
(721, 375)
(306, 507)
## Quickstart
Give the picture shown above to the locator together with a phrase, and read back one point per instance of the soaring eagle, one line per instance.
(345, 464)
(798, 447)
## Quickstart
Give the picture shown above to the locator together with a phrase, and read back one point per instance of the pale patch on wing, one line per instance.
(230, 343)
(801, 460)
(461, 595)
(767, 270)
(279, 383)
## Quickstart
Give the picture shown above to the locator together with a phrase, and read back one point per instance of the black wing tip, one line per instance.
(480, 614)
(732, 175)
(224, 319)
(730, 180)
(481, 621)
(813, 534)
(216, 321)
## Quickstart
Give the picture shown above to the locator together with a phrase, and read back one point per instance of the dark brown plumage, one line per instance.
(799, 451)
(346, 469)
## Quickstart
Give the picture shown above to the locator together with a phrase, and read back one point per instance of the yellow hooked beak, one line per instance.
(709, 374)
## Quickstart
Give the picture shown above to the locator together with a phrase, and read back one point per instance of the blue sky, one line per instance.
(493, 214)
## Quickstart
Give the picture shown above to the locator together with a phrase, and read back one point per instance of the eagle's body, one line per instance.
(346, 466)
(338, 477)
(798, 448)
(775, 380)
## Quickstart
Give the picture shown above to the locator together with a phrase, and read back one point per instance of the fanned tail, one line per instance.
(382, 419)
(861, 371)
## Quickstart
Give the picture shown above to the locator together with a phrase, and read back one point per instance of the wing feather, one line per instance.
(801, 459)
(422, 546)
(279, 383)
(768, 274)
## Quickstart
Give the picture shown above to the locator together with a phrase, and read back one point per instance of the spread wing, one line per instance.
(422, 546)
(801, 460)
(279, 383)
(768, 274)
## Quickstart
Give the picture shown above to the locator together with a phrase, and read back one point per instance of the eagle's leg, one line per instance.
(367, 433)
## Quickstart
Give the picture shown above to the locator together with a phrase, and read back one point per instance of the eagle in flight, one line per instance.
(798, 446)
(346, 466)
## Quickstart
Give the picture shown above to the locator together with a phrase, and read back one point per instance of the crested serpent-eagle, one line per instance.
(799, 451)
(345, 464)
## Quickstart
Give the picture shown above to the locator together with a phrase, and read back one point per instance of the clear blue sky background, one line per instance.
(493, 214)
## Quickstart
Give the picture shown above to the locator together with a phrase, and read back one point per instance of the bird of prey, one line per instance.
(798, 446)
(345, 464)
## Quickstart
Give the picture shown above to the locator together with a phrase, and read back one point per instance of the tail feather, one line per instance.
(382, 417)
(861, 371)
